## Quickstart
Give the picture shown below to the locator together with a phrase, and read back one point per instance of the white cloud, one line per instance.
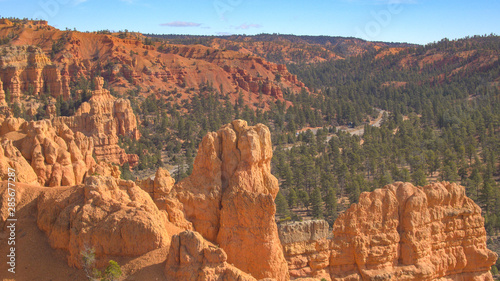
(181, 24)
(248, 26)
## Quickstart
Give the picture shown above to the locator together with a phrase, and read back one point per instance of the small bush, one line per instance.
(112, 272)
(494, 270)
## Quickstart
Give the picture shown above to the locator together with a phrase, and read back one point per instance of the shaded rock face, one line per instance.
(191, 257)
(27, 69)
(229, 199)
(114, 217)
(158, 187)
(104, 118)
(403, 232)
(11, 158)
(56, 155)
(306, 248)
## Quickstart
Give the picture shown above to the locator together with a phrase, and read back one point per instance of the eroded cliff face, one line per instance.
(61, 150)
(229, 199)
(191, 257)
(52, 152)
(403, 232)
(126, 62)
(306, 248)
(104, 118)
(26, 69)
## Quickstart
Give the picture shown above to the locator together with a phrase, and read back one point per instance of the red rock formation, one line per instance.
(229, 199)
(306, 248)
(158, 187)
(11, 158)
(126, 63)
(2, 95)
(54, 154)
(191, 257)
(104, 118)
(403, 232)
(6, 22)
(250, 241)
(26, 69)
(114, 217)
(198, 197)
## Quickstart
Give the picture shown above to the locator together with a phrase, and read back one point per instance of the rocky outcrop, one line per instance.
(11, 158)
(158, 187)
(229, 199)
(191, 257)
(248, 232)
(114, 217)
(104, 118)
(56, 155)
(403, 232)
(3, 102)
(26, 69)
(306, 248)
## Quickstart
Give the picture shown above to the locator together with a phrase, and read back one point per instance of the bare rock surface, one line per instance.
(306, 248)
(229, 199)
(104, 118)
(114, 217)
(403, 232)
(27, 69)
(191, 257)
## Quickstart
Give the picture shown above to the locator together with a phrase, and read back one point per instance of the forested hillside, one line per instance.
(441, 122)
(283, 48)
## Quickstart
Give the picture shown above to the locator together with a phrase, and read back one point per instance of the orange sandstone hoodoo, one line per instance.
(229, 199)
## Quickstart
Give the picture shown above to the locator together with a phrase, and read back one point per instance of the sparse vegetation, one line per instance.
(111, 273)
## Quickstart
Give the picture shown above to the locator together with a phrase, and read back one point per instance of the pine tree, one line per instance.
(317, 204)
(281, 205)
(331, 205)
(487, 196)
(419, 177)
(304, 198)
(354, 191)
(292, 198)
(112, 272)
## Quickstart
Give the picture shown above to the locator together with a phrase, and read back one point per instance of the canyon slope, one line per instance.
(286, 49)
(130, 61)
(218, 224)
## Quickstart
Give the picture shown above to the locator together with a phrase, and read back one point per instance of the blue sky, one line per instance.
(414, 21)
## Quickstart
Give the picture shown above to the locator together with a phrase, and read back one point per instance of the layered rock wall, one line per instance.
(403, 232)
(104, 118)
(306, 248)
(26, 69)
